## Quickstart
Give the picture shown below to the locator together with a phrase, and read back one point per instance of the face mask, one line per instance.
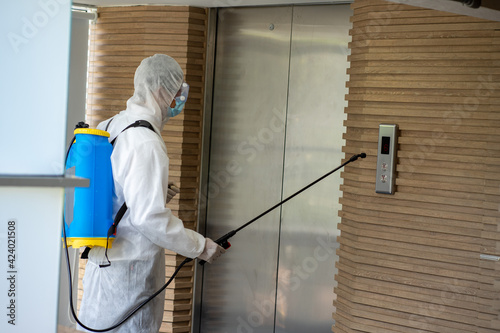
(180, 101)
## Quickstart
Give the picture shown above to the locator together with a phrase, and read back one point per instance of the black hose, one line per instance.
(221, 241)
(132, 312)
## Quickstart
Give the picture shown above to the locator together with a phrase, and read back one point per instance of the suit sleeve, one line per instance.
(145, 183)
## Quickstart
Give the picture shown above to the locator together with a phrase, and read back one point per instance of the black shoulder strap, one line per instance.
(123, 208)
(118, 217)
(138, 123)
(109, 122)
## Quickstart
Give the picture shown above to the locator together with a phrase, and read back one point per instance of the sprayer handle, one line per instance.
(225, 245)
(222, 241)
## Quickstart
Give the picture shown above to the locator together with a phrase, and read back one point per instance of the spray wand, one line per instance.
(223, 241)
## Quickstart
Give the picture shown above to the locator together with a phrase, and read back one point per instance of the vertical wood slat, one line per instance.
(120, 39)
(409, 262)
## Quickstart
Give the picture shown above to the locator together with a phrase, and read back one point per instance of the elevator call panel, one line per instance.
(386, 158)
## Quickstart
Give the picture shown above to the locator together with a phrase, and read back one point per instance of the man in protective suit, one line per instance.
(140, 172)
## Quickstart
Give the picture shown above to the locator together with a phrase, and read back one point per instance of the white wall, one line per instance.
(33, 87)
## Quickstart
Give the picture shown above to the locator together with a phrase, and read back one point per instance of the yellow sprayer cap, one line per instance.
(91, 131)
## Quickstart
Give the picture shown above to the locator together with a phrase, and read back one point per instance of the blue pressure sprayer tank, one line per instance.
(90, 156)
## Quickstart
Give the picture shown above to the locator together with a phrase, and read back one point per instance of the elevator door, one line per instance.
(277, 125)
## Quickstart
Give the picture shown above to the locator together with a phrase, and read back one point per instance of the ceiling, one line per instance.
(205, 3)
(443, 5)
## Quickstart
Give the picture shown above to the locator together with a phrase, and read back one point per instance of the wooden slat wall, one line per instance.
(120, 39)
(410, 262)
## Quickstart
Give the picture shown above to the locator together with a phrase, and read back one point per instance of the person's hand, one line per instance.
(172, 191)
(212, 251)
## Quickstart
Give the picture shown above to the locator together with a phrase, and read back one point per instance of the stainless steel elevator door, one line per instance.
(315, 116)
(279, 87)
(246, 164)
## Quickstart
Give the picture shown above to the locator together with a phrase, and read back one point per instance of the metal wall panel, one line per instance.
(318, 65)
(246, 166)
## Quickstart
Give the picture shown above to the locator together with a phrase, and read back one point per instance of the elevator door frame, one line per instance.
(207, 118)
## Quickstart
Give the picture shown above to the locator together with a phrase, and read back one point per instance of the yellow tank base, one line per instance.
(76, 242)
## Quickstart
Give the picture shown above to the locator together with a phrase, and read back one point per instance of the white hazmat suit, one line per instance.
(140, 171)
